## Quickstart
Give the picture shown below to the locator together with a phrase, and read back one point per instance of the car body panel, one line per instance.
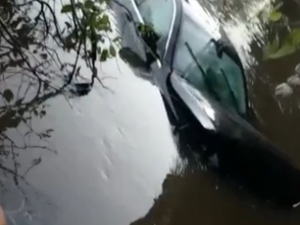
(166, 45)
(240, 148)
(199, 103)
(200, 107)
(203, 43)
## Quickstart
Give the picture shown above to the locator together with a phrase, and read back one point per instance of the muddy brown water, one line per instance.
(109, 157)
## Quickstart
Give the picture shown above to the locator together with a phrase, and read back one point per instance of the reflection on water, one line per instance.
(22, 201)
(102, 158)
(188, 198)
(22, 148)
(78, 160)
(23, 99)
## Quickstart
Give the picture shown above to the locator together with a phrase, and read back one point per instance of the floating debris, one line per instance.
(297, 69)
(293, 80)
(283, 90)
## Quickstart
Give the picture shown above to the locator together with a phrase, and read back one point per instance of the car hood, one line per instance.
(214, 117)
(195, 101)
(242, 151)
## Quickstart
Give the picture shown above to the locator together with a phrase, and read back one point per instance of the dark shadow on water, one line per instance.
(195, 192)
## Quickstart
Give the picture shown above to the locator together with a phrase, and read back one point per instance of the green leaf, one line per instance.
(8, 95)
(271, 48)
(104, 55)
(104, 19)
(89, 4)
(285, 50)
(112, 51)
(275, 16)
(294, 37)
(66, 8)
(290, 45)
(79, 5)
(93, 21)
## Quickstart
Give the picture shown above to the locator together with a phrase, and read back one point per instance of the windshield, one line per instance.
(223, 75)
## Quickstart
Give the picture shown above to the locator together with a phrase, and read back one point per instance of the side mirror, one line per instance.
(140, 67)
(133, 59)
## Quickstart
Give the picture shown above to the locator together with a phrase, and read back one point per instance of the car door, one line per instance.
(128, 16)
(164, 17)
(160, 14)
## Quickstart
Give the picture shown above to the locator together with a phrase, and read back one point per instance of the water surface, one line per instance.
(109, 157)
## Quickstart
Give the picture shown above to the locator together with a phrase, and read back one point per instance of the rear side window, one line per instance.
(159, 13)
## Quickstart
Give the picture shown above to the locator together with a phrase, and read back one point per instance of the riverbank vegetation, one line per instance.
(283, 34)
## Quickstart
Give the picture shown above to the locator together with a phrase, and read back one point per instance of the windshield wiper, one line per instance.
(206, 80)
(230, 89)
(222, 47)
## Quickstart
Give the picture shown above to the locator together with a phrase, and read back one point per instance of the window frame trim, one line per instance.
(141, 20)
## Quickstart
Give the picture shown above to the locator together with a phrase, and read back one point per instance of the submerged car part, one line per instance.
(219, 120)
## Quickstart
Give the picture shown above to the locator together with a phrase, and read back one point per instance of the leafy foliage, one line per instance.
(91, 28)
(280, 47)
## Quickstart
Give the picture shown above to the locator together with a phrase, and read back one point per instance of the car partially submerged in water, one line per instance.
(203, 86)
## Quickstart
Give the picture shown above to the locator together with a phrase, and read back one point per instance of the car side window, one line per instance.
(158, 13)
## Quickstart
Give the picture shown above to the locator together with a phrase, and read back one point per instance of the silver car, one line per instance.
(202, 82)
